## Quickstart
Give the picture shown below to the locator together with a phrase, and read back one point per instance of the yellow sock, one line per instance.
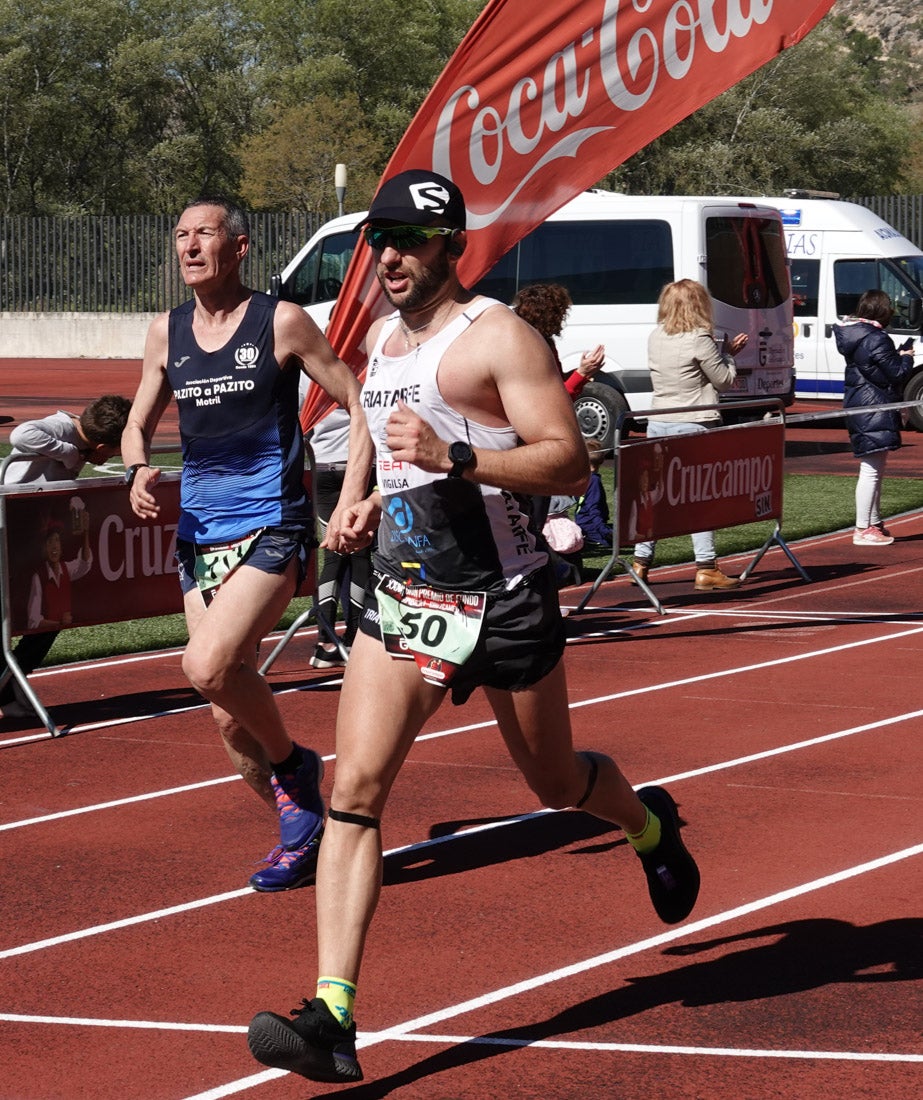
(649, 837)
(339, 996)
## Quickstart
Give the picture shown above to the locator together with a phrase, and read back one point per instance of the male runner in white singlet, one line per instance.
(467, 410)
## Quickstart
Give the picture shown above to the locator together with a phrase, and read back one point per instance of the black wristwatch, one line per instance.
(132, 470)
(461, 455)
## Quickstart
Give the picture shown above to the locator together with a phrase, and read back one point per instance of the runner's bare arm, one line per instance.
(297, 336)
(503, 373)
(152, 397)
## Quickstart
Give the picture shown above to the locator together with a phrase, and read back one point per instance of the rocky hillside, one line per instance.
(899, 26)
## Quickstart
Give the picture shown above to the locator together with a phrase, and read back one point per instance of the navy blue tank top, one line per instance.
(243, 451)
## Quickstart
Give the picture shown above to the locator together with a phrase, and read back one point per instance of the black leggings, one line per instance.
(343, 577)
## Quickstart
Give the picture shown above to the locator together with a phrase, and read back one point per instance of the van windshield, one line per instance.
(912, 266)
(320, 275)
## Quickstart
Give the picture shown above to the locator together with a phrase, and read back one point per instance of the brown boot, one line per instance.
(708, 579)
(640, 568)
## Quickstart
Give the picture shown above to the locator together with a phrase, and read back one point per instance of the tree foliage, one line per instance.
(823, 115)
(129, 106)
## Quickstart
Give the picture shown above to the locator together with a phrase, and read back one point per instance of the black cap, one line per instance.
(418, 197)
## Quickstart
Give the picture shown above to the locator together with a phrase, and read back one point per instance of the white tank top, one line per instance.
(445, 532)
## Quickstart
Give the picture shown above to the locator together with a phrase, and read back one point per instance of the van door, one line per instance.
(811, 371)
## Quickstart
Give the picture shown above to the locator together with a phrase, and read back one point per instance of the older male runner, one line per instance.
(231, 358)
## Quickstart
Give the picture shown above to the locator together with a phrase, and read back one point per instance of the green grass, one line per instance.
(812, 505)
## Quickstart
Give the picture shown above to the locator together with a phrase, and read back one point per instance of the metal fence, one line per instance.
(904, 212)
(121, 264)
(127, 264)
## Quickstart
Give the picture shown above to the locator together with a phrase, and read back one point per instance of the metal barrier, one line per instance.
(678, 485)
(134, 571)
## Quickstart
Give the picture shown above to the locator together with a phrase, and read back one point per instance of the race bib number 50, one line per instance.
(438, 630)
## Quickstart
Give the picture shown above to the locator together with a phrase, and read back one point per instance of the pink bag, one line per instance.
(563, 535)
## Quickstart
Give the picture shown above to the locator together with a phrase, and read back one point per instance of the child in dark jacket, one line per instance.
(593, 510)
(875, 373)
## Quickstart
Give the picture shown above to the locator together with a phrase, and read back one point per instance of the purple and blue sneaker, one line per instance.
(299, 802)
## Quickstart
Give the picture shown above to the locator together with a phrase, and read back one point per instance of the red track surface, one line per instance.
(522, 960)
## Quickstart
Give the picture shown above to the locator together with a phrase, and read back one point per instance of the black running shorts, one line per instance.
(521, 641)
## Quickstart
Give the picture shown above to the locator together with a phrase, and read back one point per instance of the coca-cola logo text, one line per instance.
(632, 51)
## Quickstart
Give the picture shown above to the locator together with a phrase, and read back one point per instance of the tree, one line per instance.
(291, 165)
(386, 54)
(815, 117)
(114, 107)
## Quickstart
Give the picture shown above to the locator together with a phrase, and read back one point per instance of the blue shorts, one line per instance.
(521, 640)
(270, 553)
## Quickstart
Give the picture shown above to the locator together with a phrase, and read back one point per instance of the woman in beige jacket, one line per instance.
(688, 370)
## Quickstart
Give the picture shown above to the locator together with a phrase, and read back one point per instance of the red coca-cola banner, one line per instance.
(676, 485)
(541, 100)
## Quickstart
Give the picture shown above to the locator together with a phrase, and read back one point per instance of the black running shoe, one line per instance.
(672, 874)
(313, 1044)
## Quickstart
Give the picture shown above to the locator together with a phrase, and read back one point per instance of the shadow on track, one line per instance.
(803, 955)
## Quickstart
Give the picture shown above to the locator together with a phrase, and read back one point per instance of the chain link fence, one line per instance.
(121, 264)
(127, 264)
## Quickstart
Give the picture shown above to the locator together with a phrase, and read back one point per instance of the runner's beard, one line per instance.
(423, 288)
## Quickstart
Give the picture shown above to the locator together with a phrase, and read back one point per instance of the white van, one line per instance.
(614, 253)
(838, 250)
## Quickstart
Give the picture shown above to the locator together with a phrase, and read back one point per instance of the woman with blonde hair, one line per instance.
(688, 370)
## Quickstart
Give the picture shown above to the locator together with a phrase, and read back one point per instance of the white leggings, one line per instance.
(868, 489)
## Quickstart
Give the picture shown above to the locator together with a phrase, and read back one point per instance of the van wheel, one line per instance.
(598, 408)
(913, 391)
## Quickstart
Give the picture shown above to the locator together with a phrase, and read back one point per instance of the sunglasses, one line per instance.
(402, 237)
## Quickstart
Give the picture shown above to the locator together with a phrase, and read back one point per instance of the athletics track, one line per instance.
(515, 953)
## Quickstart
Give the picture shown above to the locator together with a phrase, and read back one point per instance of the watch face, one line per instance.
(460, 452)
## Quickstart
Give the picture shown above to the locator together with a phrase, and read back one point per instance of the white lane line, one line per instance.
(126, 922)
(658, 1048)
(757, 667)
(407, 1031)
(575, 969)
(113, 723)
(422, 845)
(143, 1025)
(488, 1040)
(612, 697)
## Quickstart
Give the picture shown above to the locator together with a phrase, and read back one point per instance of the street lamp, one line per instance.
(339, 182)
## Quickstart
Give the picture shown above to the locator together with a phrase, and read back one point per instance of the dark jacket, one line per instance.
(593, 513)
(875, 372)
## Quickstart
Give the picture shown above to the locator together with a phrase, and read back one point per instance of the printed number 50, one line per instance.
(432, 630)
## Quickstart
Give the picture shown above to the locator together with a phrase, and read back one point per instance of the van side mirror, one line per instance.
(915, 312)
(275, 285)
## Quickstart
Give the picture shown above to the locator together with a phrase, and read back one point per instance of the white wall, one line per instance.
(73, 335)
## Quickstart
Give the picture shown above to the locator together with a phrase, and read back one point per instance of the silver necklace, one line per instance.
(410, 332)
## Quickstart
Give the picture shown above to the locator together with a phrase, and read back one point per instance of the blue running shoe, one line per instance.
(299, 802)
(313, 1044)
(287, 870)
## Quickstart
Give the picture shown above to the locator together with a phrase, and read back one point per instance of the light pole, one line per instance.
(339, 182)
